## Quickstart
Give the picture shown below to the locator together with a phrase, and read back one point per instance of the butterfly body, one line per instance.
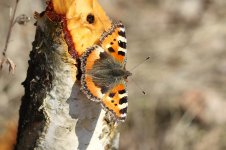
(104, 73)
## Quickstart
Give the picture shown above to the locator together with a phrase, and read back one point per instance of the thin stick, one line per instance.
(10, 29)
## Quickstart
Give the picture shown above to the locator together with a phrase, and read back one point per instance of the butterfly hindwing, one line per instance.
(116, 101)
(114, 41)
(92, 91)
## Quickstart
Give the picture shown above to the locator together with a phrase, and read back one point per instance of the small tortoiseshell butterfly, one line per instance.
(104, 74)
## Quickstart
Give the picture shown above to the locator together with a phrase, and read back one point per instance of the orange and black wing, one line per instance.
(112, 96)
(88, 60)
(114, 42)
(116, 101)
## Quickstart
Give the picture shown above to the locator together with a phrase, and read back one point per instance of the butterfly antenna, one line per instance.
(140, 64)
(137, 85)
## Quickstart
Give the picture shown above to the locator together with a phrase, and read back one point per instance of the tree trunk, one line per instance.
(54, 113)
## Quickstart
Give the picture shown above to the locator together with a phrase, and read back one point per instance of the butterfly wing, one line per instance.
(114, 42)
(112, 96)
(88, 87)
(116, 101)
(102, 87)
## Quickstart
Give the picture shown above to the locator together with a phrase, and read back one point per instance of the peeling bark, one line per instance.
(54, 113)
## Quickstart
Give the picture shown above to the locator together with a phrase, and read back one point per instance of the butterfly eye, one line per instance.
(90, 18)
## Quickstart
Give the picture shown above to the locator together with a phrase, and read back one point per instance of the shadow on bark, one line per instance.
(86, 112)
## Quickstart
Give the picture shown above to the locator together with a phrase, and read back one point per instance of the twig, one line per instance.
(10, 29)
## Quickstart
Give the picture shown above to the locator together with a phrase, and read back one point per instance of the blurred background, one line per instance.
(185, 79)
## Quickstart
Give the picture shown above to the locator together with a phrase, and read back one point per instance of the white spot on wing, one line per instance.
(122, 29)
(124, 105)
(121, 38)
(123, 95)
(123, 115)
(108, 98)
(100, 95)
(122, 49)
(108, 45)
(99, 49)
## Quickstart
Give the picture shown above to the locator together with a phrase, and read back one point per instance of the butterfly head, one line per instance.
(128, 74)
(121, 73)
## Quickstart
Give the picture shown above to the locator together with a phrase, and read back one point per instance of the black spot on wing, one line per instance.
(110, 49)
(111, 95)
(123, 111)
(122, 44)
(122, 118)
(121, 33)
(103, 55)
(104, 89)
(122, 91)
(121, 53)
(123, 100)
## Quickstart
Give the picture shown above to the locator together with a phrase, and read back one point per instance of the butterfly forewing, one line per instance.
(114, 41)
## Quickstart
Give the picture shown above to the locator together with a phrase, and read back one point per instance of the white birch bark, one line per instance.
(55, 114)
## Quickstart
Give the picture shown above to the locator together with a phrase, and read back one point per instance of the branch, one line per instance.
(11, 23)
